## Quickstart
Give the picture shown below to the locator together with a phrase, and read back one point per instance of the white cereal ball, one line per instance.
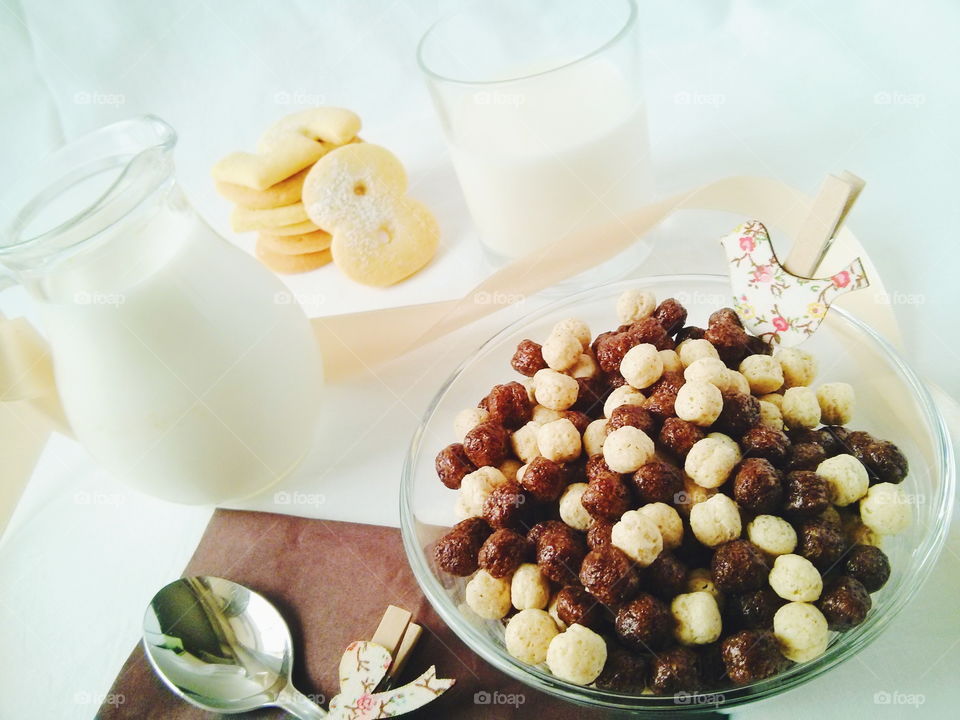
(775, 399)
(736, 382)
(477, 486)
(800, 408)
(692, 350)
(728, 441)
(552, 610)
(710, 462)
(528, 635)
(671, 361)
(576, 327)
(698, 402)
(638, 536)
(763, 372)
(527, 383)
(572, 511)
(561, 350)
(641, 365)
(623, 395)
(559, 440)
(594, 436)
(577, 655)
(847, 478)
(801, 631)
(770, 415)
(555, 390)
(836, 402)
(696, 618)
(520, 471)
(487, 596)
(798, 367)
(633, 305)
(716, 520)
(667, 520)
(509, 468)
(794, 578)
(701, 580)
(460, 510)
(709, 370)
(692, 494)
(885, 509)
(859, 533)
(524, 441)
(772, 534)
(584, 367)
(529, 588)
(541, 414)
(627, 448)
(466, 420)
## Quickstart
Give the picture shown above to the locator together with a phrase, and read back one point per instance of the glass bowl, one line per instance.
(891, 403)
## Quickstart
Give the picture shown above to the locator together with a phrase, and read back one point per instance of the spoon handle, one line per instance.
(299, 705)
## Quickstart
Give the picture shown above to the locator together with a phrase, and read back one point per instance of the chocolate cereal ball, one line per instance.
(611, 348)
(607, 497)
(503, 552)
(528, 358)
(542, 529)
(649, 330)
(665, 577)
(576, 605)
(885, 462)
(730, 340)
(821, 542)
(751, 655)
(752, 610)
(456, 552)
(452, 464)
(597, 468)
(645, 624)
(624, 672)
(765, 442)
(738, 566)
(609, 575)
(806, 494)
(741, 412)
(678, 436)
(757, 486)
(804, 456)
(560, 554)
(671, 315)
(673, 671)
(635, 416)
(543, 479)
(598, 535)
(845, 603)
(487, 444)
(869, 565)
(657, 482)
(507, 506)
(724, 316)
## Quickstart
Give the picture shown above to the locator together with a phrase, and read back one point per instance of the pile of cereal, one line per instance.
(666, 507)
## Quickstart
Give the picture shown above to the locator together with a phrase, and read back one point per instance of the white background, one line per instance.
(790, 90)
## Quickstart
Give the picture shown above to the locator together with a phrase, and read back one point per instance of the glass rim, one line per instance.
(850, 643)
(625, 28)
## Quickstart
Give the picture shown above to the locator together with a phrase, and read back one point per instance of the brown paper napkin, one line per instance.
(332, 582)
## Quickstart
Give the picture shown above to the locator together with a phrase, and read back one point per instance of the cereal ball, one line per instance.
(699, 402)
(673, 671)
(552, 611)
(710, 462)
(678, 436)
(800, 408)
(821, 542)
(820, 436)
(523, 441)
(528, 635)
(804, 456)
(509, 468)
(541, 530)
(638, 536)
(555, 390)
(576, 327)
(576, 606)
(624, 395)
(770, 415)
(696, 618)
(845, 603)
(692, 350)
(634, 416)
(772, 534)
(798, 366)
(541, 415)
(487, 596)
(692, 494)
(689, 332)
(794, 578)
(641, 366)
(633, 305)
(456, 552)
(752, 610)
(503, 552)
(624, 672)
(599, 533)
(609, 575)
(765, 442)
(627, 448)
(736, 382)
(508, 405)
(507, 506)
(801, 631)
(730, 340)
(668, 522)
(644, 624)
(476, 487)
(577, 655)
(671, 361)
(715, 521)
(701, 580)
(452, 465)
(467, 419)
(560, 554)
(666, 576)
(596, 469)
(609, 349)
(740, 413)
(486, 444)
(529, 588)
(584, 367)
(775, 399)
(751, 655)
(758, 486)
(594, 436)
(884, 461)
(709, 370)
(728, 441)
(836, 403)
(543, 479)
(607, 497)
(869, 565)
(572, 511)
(559, 440)
(738, 566)
(846, 478)
(528, 359)
(649, 330)
(763, 373)
(561, 350)
(885, 509)
(671, 315)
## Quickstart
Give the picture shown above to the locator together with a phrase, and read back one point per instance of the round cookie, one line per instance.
(296, 244)
(291, 264)
(285, 192)
(243, 219)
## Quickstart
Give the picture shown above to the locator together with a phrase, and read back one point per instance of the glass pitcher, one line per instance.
(180, 362)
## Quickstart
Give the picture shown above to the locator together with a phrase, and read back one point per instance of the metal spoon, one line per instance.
(223, 647)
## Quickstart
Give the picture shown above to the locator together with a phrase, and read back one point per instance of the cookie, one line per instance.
(358, 194)
(285, 192)
(291, 264)
(296, 244)
(300, 228)
(243, 219)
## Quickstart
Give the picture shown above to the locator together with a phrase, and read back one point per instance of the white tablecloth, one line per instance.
(791, 92)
